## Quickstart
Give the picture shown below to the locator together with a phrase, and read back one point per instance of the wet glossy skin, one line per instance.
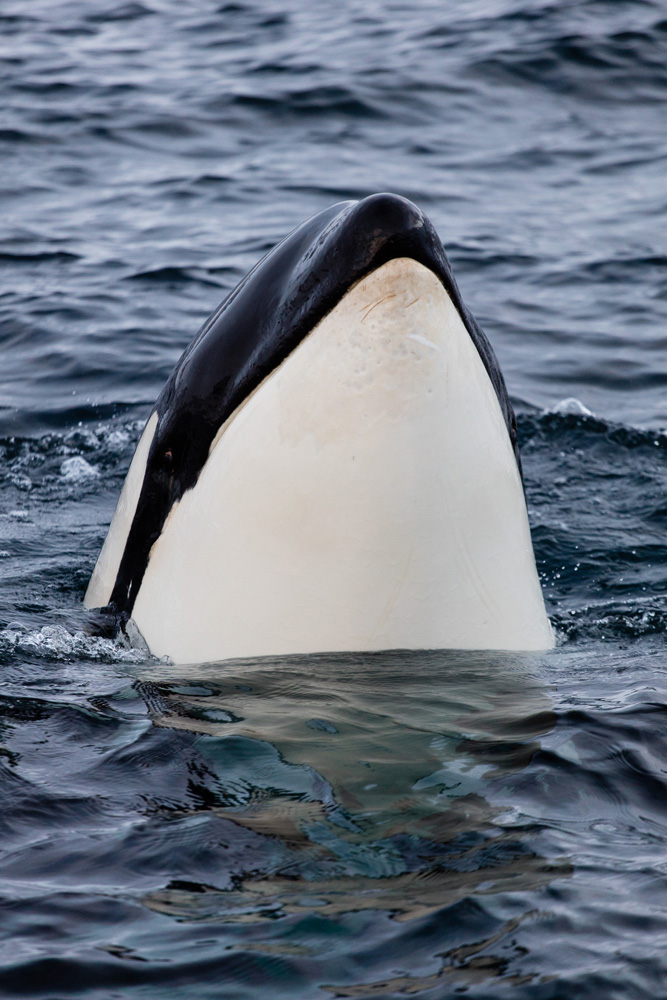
(256, 328)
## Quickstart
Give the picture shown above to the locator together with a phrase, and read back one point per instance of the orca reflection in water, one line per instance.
(368, 781)
(332, 465)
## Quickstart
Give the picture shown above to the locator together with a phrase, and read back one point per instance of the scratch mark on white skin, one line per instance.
(424, 341)
(379, 302)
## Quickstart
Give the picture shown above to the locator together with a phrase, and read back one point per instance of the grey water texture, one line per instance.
(359, 825)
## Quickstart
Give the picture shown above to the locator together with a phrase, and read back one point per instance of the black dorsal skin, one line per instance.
(256, 327)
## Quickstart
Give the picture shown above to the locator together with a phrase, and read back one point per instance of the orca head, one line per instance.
(332, 465)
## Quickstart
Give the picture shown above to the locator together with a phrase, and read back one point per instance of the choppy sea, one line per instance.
(387, 825)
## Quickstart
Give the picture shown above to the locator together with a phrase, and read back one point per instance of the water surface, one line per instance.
(390, 825)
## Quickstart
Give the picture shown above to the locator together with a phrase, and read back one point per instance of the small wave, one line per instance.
(80, 457)
(55, 642)
(18, 135)
(571, 414)
(301, 103)
(589, 64)
(628, 268)
(120, 12)
(571, 407)
(50, 256)
(173, 276)
(80, 440)
(611, 621)
(473, 257)
(596, 494)
(76, 468)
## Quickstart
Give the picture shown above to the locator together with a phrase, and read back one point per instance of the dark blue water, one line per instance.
(349, 826)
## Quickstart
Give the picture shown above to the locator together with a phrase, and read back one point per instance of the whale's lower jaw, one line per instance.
(365, 497)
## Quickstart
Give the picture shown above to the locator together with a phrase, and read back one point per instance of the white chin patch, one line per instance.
(364, 497)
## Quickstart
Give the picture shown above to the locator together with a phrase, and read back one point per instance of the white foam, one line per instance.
(571, 407)
(55, 642)
(117, 439)
(77, 468)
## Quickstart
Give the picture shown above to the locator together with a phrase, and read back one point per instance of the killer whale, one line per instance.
(332, 465)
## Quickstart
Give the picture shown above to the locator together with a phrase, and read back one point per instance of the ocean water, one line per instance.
(383, 825)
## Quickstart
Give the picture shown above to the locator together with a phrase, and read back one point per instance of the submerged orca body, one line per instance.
(331, 466)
